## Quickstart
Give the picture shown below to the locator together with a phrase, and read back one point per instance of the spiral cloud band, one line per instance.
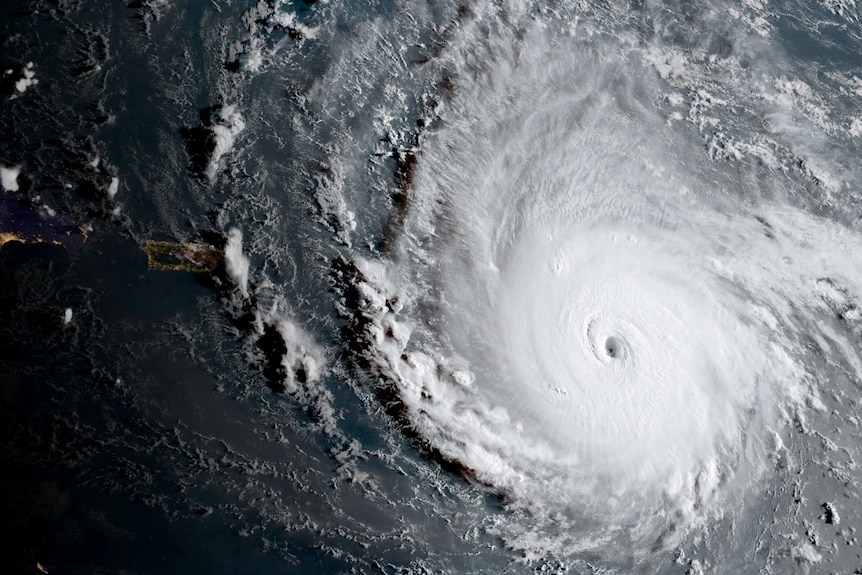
(584, 311)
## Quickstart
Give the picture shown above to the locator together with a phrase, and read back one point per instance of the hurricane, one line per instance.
(585, 311)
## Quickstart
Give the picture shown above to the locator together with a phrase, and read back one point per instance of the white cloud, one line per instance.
(236, 263)
(9, 178)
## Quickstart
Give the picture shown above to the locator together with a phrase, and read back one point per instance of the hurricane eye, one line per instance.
(612, 347)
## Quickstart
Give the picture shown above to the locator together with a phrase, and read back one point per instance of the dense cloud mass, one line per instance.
(601, 329)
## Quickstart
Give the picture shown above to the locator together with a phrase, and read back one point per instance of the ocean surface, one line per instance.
(486, 287)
